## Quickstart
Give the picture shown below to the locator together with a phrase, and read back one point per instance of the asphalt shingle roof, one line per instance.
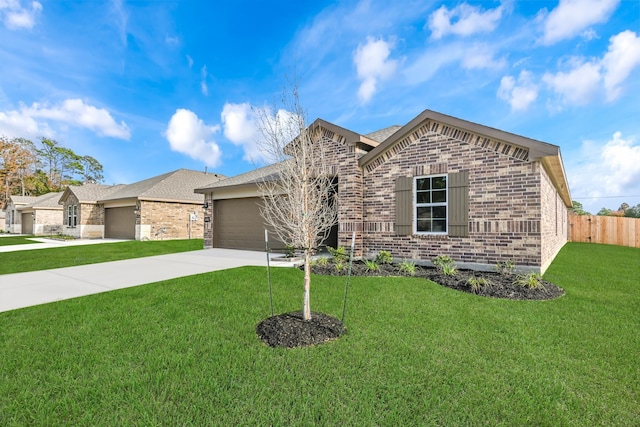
(266, 173)
(88, 193)
(172, 186)
(383, 134)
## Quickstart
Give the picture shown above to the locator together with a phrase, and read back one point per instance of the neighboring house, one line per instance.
(435, 186)
(162, 207)
(13, 220)
(3, 217)
(34, 215)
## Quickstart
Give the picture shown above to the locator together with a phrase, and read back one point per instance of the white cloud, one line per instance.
(203, 83)
(15, 16)
(621, 58)
(481, 57)
(519, 94)
(373, 65)
(190, 61)
(572, 17)
(242, 125)
(584, 80)
(577, 86)
(463, 20)
(605, 170)
(70, 112)
(189, 135)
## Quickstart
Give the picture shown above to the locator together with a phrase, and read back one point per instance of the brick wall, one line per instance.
(554, 221)
(504, 202)
(171, 220)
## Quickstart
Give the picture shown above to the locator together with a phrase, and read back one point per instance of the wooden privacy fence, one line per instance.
(609, 230)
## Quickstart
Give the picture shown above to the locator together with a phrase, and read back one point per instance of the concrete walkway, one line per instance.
(45, 243)
(20, 290)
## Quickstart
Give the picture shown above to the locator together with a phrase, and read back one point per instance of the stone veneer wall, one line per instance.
(173, 217)
(47, 222)
(208, 224)
(555, 227)
(504, 203)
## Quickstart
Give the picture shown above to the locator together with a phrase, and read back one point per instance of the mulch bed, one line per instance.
(291, 330)
(502, 285)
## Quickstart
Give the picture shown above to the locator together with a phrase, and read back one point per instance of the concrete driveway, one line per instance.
(39, 287)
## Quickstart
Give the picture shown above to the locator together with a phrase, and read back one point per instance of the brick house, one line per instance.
(37, 215)
(162, 207)
(438, 185)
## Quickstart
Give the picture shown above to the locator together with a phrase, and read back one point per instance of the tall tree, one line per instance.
(578, 209)
(299, 205)
(17, 164)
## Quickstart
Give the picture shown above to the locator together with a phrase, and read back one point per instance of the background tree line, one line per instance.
(624, 210)
(33, 169)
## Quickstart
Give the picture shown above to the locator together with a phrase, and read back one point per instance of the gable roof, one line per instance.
(521, 147)
(176, 186)
(89, 193)
(45, 201)
(22, 200)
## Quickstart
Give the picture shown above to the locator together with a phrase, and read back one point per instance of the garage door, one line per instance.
(238, 225)
(120, 223)
(27, 223)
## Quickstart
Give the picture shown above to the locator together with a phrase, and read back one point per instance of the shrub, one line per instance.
(323, 260)
(506, 267)
(531, 280)
(339, 265)
(478, 283)
(408, 267)
(384, 257)
(445, 264)
(339, 254)
(371, 265)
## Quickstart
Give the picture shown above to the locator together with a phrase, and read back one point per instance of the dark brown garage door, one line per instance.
(238, 225)
(27, 223)
(120, 223)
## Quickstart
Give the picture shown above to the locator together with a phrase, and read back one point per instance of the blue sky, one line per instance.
(147, 87)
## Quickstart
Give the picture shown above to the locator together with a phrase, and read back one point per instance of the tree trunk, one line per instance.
(306, 305)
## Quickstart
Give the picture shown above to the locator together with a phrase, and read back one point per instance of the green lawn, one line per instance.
(184, 352)
(16, 240)
(45, 259)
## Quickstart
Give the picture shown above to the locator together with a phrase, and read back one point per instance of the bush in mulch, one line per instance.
(291, 330)
(498, 285)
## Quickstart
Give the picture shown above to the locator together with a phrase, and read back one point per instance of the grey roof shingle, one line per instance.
(22, 200)
(382, 134)
(265, 173)
(178, 185)
(49, 201)
(91, 193)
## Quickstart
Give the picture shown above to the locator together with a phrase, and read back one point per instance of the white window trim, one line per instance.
(416, 206)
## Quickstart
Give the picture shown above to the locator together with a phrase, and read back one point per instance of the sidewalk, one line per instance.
(45, 243)
(20, 290)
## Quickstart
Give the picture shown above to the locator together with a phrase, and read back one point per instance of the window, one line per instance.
(72, 215)
(431, 204)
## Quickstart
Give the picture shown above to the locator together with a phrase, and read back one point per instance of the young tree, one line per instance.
(299, 205)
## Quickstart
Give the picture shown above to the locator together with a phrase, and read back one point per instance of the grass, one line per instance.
(45, 259)
(16, 240)
(184, 352)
